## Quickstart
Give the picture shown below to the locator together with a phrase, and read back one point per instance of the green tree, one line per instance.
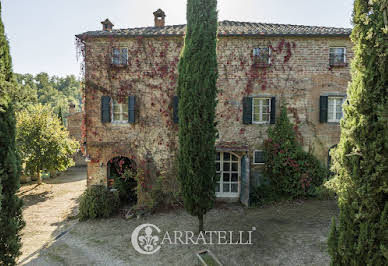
(197, 101)
(25, 93)
(43, 142)
(55, 91)
(11, 221)
(361, 158)
(292, 172)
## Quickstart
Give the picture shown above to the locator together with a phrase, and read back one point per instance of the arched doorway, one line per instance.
(121, 171)
(228, 175)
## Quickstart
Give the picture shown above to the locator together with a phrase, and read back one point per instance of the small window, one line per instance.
(334, 110)
(261, 110)
(337, 56)
(120, 111)
(262, 56)
(119, 56)
(259, 157)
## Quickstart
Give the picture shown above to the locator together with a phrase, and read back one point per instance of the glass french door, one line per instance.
(228, 175)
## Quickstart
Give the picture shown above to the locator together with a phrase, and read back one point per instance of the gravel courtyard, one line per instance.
(47, 207)
(286, 234)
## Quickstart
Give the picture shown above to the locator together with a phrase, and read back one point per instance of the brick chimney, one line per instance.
(159, 16)
(107, 25)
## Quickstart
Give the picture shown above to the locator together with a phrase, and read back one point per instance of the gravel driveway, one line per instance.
(286, 234)
(46, 208)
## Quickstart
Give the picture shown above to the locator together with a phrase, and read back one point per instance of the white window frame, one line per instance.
(336, 47)
(269, 53)
(121, 121)
(335, 120)
(254, 157)
(221, 182)
(261, 110)
(120, 56)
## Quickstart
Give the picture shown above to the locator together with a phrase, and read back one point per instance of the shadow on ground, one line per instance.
(32, 199)
(286, 234)
(47, 209)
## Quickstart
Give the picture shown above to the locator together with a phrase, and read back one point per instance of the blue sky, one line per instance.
(41, 32)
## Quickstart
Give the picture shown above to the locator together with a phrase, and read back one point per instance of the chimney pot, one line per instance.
(107, 25)
(159, 18)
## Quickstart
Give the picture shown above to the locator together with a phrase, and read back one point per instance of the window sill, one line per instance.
(119, 122)
(258, 163)
(262, 65)
(338, 65)
(118, 65)
(333, 122)
(260, 123)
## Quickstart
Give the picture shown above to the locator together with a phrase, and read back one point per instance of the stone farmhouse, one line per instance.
(131, 106)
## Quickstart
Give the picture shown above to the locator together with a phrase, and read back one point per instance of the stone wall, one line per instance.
(299, 74)
(74, 122)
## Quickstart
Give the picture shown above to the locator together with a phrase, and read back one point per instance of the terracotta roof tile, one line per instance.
(228, 28)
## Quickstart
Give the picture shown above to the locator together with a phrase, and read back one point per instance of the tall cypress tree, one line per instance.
(361, 159)
(197, 102)
(11, 221)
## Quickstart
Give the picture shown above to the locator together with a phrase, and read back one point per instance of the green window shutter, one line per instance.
(105, 109)
(131, 109)
(273, 110)
(247, 110)
(175, 101)
(323, 107)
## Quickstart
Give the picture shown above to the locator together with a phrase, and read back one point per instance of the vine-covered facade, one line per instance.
(130, 95)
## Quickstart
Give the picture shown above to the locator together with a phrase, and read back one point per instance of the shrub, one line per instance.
(323, 192)
(263, 194)
(292, 172)
(126, 186)
(147, 192)
(314, 172)
(98, 202)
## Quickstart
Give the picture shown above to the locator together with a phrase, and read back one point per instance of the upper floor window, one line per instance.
(337, 56)
(261, 110)
(120, 111)
(262, 56)
(119, 56)
(334, 111)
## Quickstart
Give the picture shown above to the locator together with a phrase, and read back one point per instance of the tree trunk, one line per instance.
(200, 219)
(39, 177)
(53, 173)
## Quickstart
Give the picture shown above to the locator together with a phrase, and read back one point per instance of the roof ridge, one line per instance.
(282, 24)
(230, 28)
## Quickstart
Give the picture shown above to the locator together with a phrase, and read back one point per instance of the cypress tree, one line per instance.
(196, 110)
(11, 221)
(361, 159)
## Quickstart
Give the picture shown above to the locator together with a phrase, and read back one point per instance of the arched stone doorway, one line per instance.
(119, 178)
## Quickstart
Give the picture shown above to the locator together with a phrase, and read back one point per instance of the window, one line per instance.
(261, 110)
(334, 110)
(259, 157)
(120, 56)
(262, 56)
(337, 56)
(120, 111)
